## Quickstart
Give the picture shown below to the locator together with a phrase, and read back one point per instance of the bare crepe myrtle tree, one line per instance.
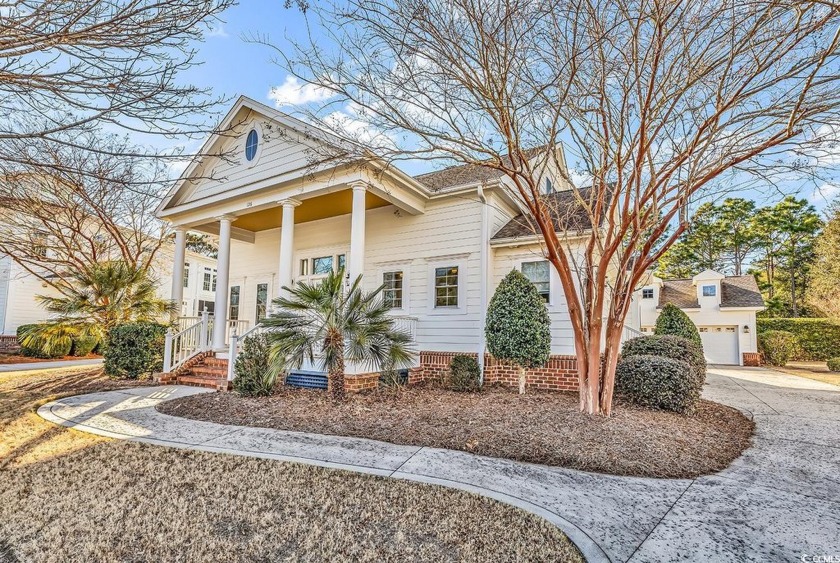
(73, 68)
(91, 207)
(656, 102)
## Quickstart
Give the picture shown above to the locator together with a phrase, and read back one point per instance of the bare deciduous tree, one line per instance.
(90, 207)
(656, 102)
(70, 68)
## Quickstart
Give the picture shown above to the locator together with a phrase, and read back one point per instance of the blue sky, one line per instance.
(233, 66)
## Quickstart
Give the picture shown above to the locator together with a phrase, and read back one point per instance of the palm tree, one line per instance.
(335, 325)
(95, 299)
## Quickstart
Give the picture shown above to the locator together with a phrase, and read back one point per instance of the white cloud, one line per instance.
(218, 31)
(824, 193)
(292, 92)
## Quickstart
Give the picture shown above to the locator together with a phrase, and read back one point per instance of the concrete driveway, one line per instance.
(779, 502)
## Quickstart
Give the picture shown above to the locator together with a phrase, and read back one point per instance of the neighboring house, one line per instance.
(439, 242)
(722, 307)
(19, 289)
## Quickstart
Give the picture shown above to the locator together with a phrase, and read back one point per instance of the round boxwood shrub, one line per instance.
(84, 345)
(34, 345)
(668, 346)
(658, 383)
(134, 350)
(833, 364)
(253, 376)
(777, 346)
(464, 373)
(672, 320)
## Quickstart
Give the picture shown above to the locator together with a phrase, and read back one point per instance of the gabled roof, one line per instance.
(468, 174)
(735, 291)
(566, 212)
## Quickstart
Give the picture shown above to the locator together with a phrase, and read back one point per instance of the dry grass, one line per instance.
(537, 427)
(70, 496)
(810, 370)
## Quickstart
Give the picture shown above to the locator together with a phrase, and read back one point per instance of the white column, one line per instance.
(177, 294)
(356, 262)
(222, 279)
(285, 270)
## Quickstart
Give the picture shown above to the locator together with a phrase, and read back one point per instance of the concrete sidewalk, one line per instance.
(32, 366)
(778, 502)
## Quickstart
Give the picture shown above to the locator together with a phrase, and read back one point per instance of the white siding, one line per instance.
(279, 151)
(5, 267)
(448, 233)
(507, 259)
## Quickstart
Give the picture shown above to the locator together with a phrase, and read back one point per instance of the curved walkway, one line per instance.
(779, 502)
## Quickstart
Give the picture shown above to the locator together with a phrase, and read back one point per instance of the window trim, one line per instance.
(551, 284)
(257, 318)
(463, 272)
(646, 290)
(254, 126)
(238, 305)
(403, 308)
(713, 289)
(185, 279)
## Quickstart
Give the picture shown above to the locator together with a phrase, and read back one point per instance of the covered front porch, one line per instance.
(265, 246)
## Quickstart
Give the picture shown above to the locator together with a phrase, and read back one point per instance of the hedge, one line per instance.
(135, 349)
(816, 339)
(668, 346)
(833, 364)
(777, 346)
(658, 383)
(253, 376)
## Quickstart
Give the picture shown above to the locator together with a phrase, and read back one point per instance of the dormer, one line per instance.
(707, 284)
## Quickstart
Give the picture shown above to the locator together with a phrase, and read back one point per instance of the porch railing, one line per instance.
(406, 324)
(186, 342)
(630, 332)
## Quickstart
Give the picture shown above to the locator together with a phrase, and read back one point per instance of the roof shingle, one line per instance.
(735, 291)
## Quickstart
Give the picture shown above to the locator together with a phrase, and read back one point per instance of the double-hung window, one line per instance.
(209, 279)
(392, 293)
(539, 273)
(186, 274)
(446, 286)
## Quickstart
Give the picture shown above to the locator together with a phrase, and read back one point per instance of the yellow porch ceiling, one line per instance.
(312, 209)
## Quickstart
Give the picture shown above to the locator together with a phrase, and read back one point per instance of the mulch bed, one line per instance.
(538, 427)
(18, 359)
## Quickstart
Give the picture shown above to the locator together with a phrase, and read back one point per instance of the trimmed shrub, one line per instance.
(778, 346)
(517, 327)
(464, 373)
(668, 346)
(672, 320)
(833, 364)
(253, 376)
(816, 339)
(35, 346)
(658, 383)
(134, 350)
(84, 345)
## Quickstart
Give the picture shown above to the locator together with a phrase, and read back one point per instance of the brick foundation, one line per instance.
(9, 343)
(752, 359)
(559, 374)
(361, 382)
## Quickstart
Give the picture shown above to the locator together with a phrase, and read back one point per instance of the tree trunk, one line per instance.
(521, 380)
(336, 380)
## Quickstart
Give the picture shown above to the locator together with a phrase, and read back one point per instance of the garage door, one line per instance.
(720, 344)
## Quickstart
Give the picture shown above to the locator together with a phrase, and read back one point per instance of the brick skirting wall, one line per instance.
(9, 344)
(752, 359)
(559, 374)
(361, 382)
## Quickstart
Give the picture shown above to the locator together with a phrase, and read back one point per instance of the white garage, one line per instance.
(722, 307)
(720, 344)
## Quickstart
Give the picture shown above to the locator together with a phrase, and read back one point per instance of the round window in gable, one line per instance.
(251, 144)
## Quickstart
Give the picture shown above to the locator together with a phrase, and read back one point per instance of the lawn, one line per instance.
(6, 358)
(538, 427)
(67, 495)
(811, 370)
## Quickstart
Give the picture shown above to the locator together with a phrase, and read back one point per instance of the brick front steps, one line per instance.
(204, 370)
